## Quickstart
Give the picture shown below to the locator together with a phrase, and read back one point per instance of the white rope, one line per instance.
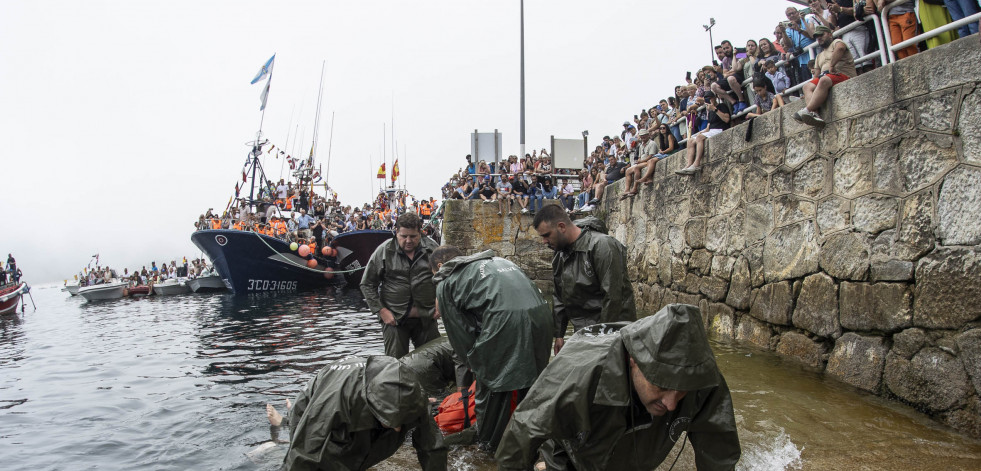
(297, 264)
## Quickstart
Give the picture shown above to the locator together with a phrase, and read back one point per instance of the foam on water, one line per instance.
(770, 453)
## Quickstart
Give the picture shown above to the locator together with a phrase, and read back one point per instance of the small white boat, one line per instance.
(72, 288)
(207, 282)
(171, 286)
(112, 290)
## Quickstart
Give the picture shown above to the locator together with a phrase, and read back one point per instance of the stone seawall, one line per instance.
(855, 249)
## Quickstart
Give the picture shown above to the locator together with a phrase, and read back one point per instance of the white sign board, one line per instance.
(485, 146)
(568, 153)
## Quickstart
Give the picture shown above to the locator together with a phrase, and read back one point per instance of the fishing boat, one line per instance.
(207, 281)
(10, 296)
(249, 260)
(170, 287)
(103, 291)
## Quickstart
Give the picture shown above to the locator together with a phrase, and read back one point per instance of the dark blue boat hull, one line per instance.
(254, 263)
(354, 249)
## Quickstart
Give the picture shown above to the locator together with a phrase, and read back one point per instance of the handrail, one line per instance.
(810, 48)
(884, 15)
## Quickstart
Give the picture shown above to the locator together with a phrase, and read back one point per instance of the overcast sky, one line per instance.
(126, 120)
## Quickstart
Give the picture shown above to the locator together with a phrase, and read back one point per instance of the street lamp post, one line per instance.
(708, 28)
(522, 131)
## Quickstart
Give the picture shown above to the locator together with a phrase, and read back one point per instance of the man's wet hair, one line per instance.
(442, 255)
(409, 220)
(552, 214)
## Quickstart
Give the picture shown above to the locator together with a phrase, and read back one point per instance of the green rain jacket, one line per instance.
(591, 279)
(393, 281)
(345, 417)
(436, 365)
(585, 403)
(496, 318)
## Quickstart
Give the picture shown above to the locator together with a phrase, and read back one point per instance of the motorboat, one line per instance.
(139, 290)
(112, 290)
(171, 286)
(10, 296)
(208, 281)
(71, 288)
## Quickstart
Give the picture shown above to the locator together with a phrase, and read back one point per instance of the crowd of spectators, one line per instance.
(741, 84)
(296, 213)
(145, 276)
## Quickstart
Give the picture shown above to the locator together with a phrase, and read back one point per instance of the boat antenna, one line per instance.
(292, 115)
(330, 146)
(316, 120)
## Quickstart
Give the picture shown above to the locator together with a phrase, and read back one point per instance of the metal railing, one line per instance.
(884, 15)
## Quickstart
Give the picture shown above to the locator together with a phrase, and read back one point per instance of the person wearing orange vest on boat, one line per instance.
(215, 223)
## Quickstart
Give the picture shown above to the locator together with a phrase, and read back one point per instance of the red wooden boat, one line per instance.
(10, 295)
(139, 290)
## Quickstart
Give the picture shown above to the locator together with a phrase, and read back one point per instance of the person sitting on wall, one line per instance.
(765, 100)
(719, 119)
(836, 65)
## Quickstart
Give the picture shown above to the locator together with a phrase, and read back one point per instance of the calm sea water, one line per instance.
(181, 382)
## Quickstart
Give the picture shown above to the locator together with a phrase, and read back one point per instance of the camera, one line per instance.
(860, 10)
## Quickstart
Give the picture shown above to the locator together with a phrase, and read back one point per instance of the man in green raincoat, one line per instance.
(356, 413)
(436, 366)
(497, 319)
(398, 287)
(619, 397)
(589, 270)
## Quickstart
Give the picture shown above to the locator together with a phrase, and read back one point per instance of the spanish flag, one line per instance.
(395, 170)
(381, 171)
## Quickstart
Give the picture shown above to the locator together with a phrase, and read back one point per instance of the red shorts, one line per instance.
(835, 78)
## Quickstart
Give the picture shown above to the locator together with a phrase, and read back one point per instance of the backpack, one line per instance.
(453, 417)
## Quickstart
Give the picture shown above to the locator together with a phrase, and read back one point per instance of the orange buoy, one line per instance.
(303, 251)
(325, 251)
(328, 273)
(312, 263)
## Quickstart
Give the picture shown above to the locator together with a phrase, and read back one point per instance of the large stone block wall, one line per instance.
(855, 249)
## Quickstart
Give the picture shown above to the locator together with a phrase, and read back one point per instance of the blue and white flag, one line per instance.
(264, 95)
(265, 70)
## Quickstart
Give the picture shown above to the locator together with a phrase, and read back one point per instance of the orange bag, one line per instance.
(452, 416)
